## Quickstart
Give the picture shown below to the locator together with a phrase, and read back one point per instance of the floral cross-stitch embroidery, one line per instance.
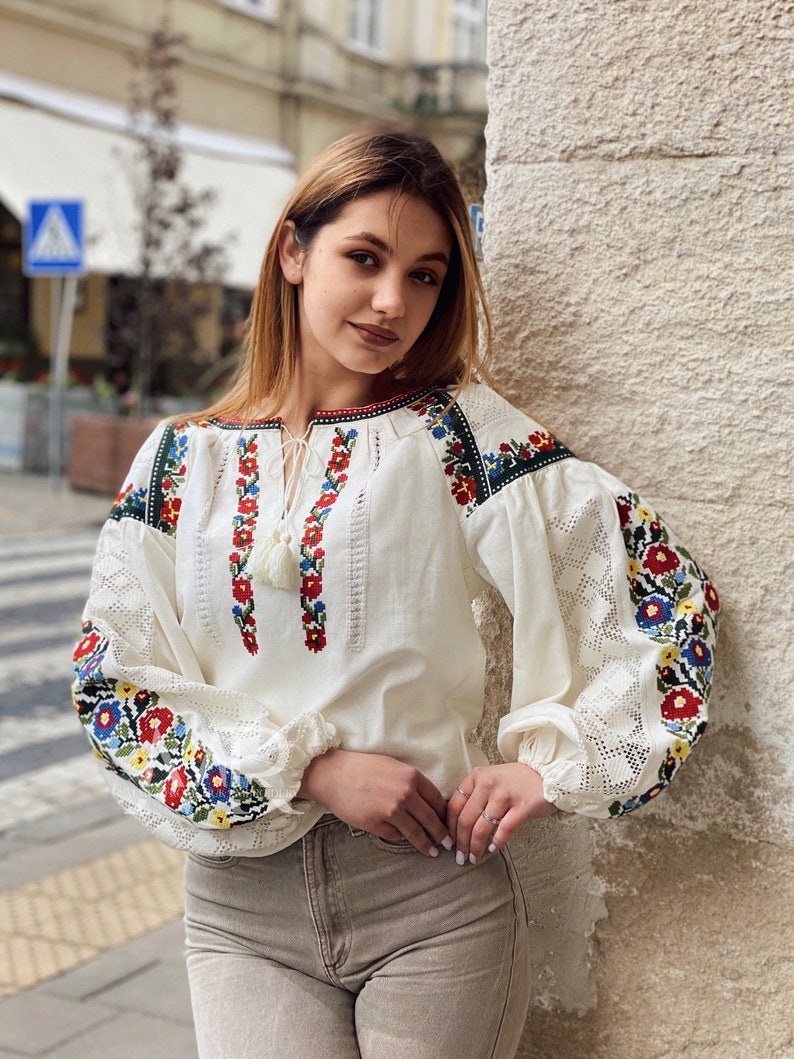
(677, 607)
(473, 475)
(244, 523)
(129, 726)
(312, 552)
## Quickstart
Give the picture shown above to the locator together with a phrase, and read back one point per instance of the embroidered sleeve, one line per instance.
(204, 757)
(614, 631)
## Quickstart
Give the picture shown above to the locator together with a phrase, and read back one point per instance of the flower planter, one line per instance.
(102, 447)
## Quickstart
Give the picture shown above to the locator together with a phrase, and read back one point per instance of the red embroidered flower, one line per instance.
(712, 599)
(242, 538)
(87, 645)
(170, 510)
(241, 590)
(624, 511)
(311, 586)
(457, 447)
(127, 489)
(175, 787)
(315, 638)
(154, 724)
(541, 441)
(681, 704)
(464, 490)
(246, 505)
(661, 559)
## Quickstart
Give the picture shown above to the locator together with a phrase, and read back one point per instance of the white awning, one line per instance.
(51, 153)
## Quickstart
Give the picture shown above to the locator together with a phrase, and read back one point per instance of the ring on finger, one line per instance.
(490, 819)
(465, 795)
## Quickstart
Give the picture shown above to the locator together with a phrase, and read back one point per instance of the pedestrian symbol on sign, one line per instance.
(54, 239)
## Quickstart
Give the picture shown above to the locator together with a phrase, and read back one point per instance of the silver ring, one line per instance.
(490, 819)
(465, 795)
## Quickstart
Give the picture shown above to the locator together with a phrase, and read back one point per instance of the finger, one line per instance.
(455, 806)
(432, 795)
(466, 823)
(511, 822)
(428, 819)
(410, 828)
(484, 831)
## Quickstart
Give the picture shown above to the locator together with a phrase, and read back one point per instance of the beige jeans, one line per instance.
(344, 946)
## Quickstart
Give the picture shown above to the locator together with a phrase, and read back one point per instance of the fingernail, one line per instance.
(433, 851)
(472, 859)
(460, 858)
(492, 848)
(447, 842)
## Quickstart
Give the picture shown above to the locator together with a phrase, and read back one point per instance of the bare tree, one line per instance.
(154, 319)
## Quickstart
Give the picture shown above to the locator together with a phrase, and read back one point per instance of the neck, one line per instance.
(312, 394)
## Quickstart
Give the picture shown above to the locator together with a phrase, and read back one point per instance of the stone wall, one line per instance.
(639, 253)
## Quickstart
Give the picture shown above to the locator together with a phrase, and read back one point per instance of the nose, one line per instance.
(388, 296)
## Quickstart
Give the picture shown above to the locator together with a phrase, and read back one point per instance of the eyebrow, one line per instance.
(370, 237)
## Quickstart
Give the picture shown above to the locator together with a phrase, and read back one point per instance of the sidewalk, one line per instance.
(91, 937)
(33, 503)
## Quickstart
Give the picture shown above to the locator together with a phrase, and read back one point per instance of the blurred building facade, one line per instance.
(263, 84)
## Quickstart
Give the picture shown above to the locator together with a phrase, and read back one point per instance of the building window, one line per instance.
(267, 10)
(368, 26)
(468, 21)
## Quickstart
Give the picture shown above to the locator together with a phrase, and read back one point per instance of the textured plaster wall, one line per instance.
(639, 257)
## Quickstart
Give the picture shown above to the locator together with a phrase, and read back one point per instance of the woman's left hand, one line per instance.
(491, 804)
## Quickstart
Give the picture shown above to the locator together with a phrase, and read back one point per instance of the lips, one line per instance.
(378, 336)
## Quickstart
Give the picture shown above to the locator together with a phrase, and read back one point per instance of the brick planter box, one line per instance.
(102, 448)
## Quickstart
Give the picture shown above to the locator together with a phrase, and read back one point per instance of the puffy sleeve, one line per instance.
(614, 632)
(191, 760)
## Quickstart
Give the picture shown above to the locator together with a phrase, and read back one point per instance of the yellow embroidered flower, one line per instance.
(634, 567)
(139, 759)
(190, 752)
(680, 750)
(219, 818)
(126, 691)
(687, 606)
(669, 654)
(645, 514)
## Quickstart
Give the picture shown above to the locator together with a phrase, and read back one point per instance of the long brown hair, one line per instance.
(447, 353)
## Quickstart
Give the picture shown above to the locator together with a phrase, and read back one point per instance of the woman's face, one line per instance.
(368, 283)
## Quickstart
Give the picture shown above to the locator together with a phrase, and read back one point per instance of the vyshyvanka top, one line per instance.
(206, 692)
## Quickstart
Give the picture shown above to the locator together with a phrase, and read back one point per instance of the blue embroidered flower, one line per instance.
(697, 653)
(106, 719)
(218, 783)
(653, 611)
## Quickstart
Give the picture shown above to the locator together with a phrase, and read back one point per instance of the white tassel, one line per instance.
(272, 561)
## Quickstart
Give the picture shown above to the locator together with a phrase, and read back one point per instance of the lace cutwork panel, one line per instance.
(606, 673)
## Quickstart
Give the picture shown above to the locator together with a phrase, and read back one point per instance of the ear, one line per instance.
(290, 255)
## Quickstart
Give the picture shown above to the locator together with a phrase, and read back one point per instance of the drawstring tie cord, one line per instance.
(272, 560)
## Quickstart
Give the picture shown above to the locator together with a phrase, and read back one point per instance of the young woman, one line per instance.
(281, 670)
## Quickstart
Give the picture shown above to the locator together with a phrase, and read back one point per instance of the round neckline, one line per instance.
(330, 416)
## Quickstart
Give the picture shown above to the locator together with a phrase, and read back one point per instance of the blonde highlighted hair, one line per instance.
(447, 353)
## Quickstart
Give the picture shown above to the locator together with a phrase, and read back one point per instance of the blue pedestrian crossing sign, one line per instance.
(54, 242)
(477, 218)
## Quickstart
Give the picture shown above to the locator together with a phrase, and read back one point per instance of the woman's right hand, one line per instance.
(379, 794)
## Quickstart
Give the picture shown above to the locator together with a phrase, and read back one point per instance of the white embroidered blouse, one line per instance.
(206, 693)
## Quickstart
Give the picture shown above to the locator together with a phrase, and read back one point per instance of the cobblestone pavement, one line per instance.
(91, 960)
